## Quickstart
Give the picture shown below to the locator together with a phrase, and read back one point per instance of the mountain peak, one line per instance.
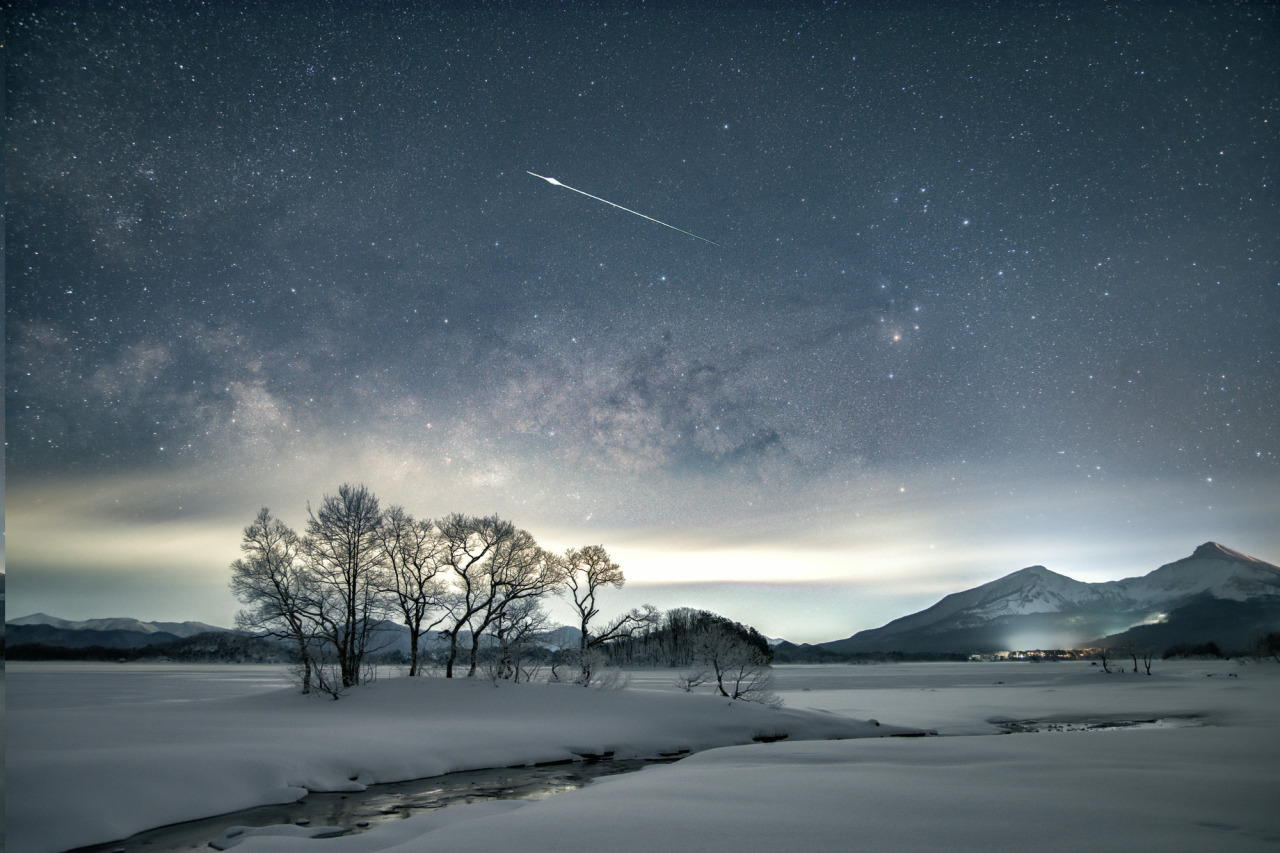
(1031, 576)
(1036, 571)
(1036, 607)
(1214, 551)
(39, 619)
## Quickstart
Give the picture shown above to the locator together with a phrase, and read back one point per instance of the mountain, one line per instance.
(564, 637)
(183, 640)
(1229, 624)
(1215, 591)
(116, 633)
(177, 629)
(51, 635)
(393, 637)
(1213, 569)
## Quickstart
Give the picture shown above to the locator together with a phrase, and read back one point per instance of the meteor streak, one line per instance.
(556, 183)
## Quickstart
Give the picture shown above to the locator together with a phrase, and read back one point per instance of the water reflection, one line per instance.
(382, 803)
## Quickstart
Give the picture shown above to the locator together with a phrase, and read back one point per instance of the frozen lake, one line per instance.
(72, 684)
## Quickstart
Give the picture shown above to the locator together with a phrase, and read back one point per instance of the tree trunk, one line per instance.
(453, 654)
(306, 666)
(475, 654)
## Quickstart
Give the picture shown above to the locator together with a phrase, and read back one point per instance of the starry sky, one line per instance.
(986, 287)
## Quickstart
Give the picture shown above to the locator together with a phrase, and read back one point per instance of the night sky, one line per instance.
(985, 289)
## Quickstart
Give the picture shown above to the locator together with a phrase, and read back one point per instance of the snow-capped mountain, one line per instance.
(177, 629)
(1213, 569)
(114, 633)
(1038, 608)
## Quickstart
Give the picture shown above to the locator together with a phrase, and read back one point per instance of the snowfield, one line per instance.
(83, 772)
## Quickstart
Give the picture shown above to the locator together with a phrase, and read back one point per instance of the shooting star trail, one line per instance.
(556, 183)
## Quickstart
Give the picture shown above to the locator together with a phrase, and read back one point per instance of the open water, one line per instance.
(380, 803)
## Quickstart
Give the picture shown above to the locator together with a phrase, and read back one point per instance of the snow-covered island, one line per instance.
(95, 753)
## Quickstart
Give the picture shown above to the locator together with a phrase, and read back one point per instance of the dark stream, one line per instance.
(381, 803)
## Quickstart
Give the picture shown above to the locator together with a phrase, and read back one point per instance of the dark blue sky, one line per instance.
(993, 287)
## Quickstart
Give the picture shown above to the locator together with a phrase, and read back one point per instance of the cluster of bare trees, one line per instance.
(1266, 645)
(331, 592)
(1133, 652)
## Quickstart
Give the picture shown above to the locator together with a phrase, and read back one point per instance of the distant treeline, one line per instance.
(1193, 650)
(210, 647)
(1263, 645)
(792, 653)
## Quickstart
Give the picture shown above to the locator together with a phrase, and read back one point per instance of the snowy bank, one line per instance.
(89, 774)
(1161, 791)
(1208, 787)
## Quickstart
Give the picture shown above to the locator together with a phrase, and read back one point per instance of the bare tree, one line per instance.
(412, 553)
(515, 571)
(467, 544)
(270, 581)
(687, 681)
(642, 618)
(586, 572)
(741, 670)
(514, 629)
(343, 556)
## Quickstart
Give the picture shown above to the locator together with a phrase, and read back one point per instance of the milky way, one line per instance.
(988, 289)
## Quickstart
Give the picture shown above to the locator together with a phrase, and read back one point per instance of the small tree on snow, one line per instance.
(741, 670)
(514, 630)
(687, 681)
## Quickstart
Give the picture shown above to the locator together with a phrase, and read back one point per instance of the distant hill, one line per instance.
(115, 633)
(1216, 594)
(44, 637)
(47, 635)
(1230, 625)
(177, 629)
(212, 647)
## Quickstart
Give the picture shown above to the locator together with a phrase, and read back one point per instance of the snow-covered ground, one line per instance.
(85, 770)
(99, 753)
